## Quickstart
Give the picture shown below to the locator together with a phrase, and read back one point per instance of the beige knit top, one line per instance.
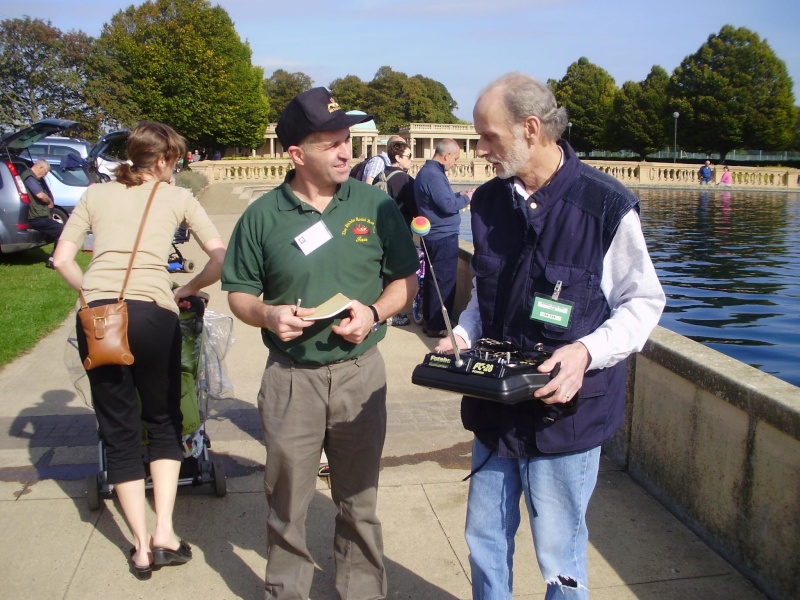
(113, 212)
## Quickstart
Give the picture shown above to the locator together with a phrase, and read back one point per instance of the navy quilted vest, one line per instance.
(520, 251)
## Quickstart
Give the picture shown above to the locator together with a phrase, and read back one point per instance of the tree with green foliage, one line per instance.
(640, 116)
(439, 104)
(385, 99)
(734, 92)
(182, 63)
(587, 91)
(281, 87)
(350, 92)
(394, 99)
(42, 72)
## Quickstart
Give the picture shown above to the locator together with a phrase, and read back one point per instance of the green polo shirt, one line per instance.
(369, 241)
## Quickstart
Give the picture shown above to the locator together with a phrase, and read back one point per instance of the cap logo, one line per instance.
(333, 105)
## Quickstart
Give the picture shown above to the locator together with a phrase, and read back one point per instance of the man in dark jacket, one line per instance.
(437, 201)
(560, 260)
(40, 215)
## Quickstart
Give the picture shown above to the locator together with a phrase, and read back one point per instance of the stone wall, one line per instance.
(718, 443)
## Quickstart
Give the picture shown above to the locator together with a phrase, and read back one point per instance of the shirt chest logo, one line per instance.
(360, 228)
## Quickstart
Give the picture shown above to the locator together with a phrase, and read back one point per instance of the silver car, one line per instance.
(68, 178)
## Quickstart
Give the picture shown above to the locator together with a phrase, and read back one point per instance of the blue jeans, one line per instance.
(557, 489)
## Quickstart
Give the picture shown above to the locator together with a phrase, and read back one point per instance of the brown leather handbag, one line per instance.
(106, 326)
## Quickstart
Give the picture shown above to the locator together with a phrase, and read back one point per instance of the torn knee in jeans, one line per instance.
(566, 583)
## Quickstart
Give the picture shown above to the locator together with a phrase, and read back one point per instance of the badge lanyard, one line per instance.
(551, 310)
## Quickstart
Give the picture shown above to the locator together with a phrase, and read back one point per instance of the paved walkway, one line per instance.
(57, 548)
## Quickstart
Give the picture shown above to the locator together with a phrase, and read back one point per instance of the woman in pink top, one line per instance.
(725, 178)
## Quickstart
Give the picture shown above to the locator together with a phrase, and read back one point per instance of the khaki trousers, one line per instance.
(342, 408)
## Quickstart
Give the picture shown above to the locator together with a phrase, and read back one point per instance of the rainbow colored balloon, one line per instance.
(421, 226)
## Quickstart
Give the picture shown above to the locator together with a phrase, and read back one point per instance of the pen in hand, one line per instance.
(297, 306)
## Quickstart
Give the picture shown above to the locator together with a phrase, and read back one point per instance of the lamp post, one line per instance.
(569, 132)
(675, 116)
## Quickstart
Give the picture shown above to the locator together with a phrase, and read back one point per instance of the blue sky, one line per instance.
(465, 43)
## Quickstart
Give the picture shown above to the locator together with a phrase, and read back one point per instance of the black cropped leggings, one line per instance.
(155, 340)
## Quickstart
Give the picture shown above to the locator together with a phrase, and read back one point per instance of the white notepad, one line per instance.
(330, 308)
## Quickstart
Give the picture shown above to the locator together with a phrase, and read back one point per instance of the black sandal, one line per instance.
(167, 556)
(141, 573)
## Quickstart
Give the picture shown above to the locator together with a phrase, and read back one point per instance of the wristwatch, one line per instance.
(376, 319)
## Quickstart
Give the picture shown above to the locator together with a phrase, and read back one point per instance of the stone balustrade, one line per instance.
(255, 169)
(450, 130)
(478, 171)
(672, 174)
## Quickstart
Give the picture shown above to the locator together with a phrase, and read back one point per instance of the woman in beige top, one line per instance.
(113, 212)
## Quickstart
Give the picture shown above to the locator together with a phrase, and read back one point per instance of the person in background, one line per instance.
(319, 234)
(725, 179)
(437, 201)
(705, 173)
(400, 186)
(377, 164)
(40, 209)
(113, 212)
(560, 261)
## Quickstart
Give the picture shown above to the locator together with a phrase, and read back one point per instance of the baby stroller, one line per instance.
(176, 263)
(416, 306)
(198, 467)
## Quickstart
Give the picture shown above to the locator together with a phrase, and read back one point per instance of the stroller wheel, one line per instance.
(220, 485)
(93, 492)
(188, 266)
(417, 308)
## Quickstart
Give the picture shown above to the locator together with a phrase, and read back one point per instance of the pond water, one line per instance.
(729, 262)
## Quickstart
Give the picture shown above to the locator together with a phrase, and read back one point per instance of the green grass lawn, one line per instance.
(34, 300)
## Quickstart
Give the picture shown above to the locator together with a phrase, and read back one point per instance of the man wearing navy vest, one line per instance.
(560, 260)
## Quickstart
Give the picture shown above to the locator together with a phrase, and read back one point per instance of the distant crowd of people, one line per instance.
(199, 154)
(705, 175)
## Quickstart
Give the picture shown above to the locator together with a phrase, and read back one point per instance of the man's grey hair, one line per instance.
(446, 146)
(42, 163)
(524, 96)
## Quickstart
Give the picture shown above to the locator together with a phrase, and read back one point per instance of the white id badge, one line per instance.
(313, 237)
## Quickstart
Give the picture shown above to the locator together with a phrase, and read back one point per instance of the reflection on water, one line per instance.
(729, 262)
(730, 265)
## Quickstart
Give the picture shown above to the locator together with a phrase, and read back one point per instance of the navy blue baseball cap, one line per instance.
(311, 111)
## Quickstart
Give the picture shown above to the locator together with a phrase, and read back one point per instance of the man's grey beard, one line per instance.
(514, 161)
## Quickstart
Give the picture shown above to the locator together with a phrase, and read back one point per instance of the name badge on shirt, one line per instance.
(551, 310)
(313, 237)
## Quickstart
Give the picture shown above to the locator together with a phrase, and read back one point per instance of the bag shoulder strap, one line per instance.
(135, 248)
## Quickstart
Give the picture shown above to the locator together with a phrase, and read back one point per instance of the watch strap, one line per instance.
(375, 317)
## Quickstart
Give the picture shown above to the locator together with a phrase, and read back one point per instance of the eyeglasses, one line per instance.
(406, 156)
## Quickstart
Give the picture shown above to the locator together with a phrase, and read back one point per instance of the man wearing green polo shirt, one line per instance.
(319, 234)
